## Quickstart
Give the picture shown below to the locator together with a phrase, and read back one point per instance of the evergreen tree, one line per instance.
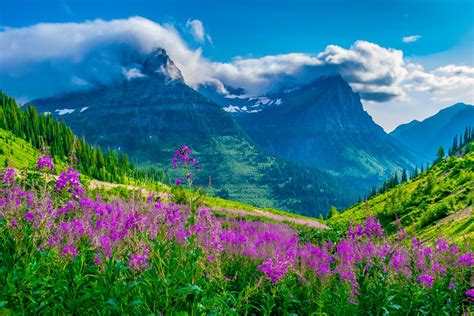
(41, 131)
(404, 176)
(332, 212)
(440, 154)
(455, 144)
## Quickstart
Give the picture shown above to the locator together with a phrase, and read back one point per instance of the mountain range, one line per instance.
(427, 136)
(265, 150)
(321, 124)
(150, 114)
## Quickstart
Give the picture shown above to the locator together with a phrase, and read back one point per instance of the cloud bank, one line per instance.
(46, 59)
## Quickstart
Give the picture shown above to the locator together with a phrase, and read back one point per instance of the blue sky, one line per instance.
(431, 68)
(264, 27)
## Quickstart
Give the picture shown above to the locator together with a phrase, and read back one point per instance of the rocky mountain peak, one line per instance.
(158, 63)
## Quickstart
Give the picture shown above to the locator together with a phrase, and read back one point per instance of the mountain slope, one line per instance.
(16, 152)
(436, 203)
(321, 124)
(437, 130)
(150, 114)
(19, 154)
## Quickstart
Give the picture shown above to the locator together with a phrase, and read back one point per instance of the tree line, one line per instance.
(58, 140)
(459, 142)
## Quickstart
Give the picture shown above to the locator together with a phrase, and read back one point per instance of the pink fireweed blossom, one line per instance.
(29, 216)
(470, 294)
(452, 286)
(183, 155)
(426, 280)
(8, 175)
(70, 250)
(466, 260)
(274, 269)
(70, 179)
(372, 228)
(138, 261)
(402, 234)
(45, 163)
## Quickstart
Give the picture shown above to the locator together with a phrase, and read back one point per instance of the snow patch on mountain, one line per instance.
(65, 111)
(234, 96)
(232, 109)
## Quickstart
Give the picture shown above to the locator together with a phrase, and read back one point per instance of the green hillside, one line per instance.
(436, 203)
(15, 151)
(20, 154)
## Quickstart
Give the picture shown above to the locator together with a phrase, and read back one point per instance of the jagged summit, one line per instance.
(158, 63)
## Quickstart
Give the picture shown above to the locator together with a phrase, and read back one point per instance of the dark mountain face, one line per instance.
(323, 125)
(438, 130)
(151, 114)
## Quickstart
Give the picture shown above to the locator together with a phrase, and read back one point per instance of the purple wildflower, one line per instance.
(426, 280)
(402, 234)
(29, 216)
(274, 269)
(46, 163)
(466, 260)
(8, 175)
(138, 260)
(70, 250)
(470, 294)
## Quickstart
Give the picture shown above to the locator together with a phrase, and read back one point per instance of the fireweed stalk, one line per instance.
(129, 231)
(183, 159)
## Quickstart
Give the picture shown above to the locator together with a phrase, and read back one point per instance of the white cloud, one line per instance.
(94, 50)
(196, 28)
(455, 70)
(411, 39)
(98, 52)
(132, 73)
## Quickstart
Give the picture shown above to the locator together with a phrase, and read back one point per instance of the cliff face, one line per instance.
(324, 125)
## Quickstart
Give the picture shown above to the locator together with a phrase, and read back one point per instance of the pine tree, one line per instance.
(440, 154)
(332, 212)
(41, 130)
(455, 144)
(404, 176)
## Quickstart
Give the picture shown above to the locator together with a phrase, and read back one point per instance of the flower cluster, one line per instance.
(8, 175)
(69, 180)
(129, 229)
(183, 156)
(45, 163)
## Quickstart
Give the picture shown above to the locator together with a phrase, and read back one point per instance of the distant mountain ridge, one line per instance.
(321, 124)
(438, 130)
(154, 111)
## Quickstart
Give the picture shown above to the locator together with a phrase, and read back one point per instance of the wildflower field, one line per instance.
(64, 252)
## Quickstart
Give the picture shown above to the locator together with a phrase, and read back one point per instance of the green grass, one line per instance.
(21, 155)
(434, 204)
(17, 152)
